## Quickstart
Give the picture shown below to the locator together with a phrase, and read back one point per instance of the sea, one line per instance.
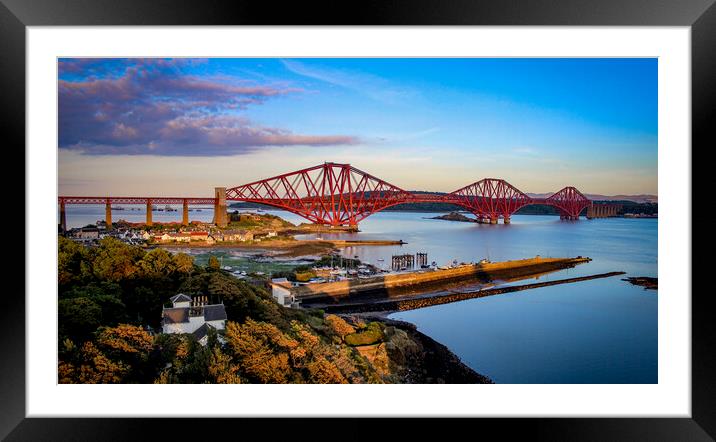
(590, 332)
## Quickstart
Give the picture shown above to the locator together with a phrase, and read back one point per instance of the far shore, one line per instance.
(292, 247)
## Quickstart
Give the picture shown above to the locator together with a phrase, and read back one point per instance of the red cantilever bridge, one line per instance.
(342, 195)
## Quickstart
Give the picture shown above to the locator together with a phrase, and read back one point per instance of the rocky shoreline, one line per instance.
(411, 357)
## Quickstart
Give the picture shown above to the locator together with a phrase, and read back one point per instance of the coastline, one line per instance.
(291, 247)
(416, 358)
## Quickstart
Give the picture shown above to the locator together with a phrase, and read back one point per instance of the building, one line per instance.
(281, 292)
(198, 236)
(193, 315)
(234, 235)
(88, 233)
(267, 234)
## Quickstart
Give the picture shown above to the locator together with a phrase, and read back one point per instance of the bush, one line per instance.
(368, 336)
(304, 276)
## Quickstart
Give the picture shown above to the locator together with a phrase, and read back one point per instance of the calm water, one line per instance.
(600, 331)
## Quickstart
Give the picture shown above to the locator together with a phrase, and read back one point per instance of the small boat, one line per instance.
(381, 259)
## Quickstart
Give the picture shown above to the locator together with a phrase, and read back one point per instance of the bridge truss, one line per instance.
(340, 194)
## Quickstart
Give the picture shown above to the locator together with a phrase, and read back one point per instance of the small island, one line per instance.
(644, 281)
(455, 216)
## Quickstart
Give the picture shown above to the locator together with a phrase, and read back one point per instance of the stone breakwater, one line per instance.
(483, 271)
(426, 301)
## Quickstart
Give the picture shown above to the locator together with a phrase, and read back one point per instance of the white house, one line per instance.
(193, 315)
(281, 291)
(181, 300)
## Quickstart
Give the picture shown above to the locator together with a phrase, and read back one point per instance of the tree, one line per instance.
(73, 262)
(261, 350)
(339, 326)
(183, 263)
(213, 263)
(321, 371)
(157, 263)
(222, 370)
(128, 346)
(89, 365)
(115, 260)
(78, 318)
(107, 295)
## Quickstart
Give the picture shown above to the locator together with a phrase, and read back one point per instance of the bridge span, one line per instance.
(342, 195)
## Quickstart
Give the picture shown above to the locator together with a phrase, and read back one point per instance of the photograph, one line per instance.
(357, 220)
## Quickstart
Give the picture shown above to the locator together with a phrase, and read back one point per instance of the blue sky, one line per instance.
(182, 126)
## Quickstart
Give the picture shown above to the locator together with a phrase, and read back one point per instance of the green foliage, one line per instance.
(108, 293)
(337, 261)
(304, 276)
(213, 263)
(127, 283)
(78, 318)
(115, 260)
(73, 263)
(372, 334)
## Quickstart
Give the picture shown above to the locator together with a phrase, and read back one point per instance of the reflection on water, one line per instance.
(598, 331)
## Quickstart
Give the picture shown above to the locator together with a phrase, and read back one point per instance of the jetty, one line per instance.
(486, 271)
(395, 305)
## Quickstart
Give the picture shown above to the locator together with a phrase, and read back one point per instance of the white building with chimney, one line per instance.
(282, 293)
(193, 315)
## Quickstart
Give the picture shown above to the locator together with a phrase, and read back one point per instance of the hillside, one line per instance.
(111, 297)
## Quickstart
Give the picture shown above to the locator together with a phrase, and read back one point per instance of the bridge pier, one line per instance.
(220, 215)
(149, 212)
(493, 220)
(506, 220)
(63, 216)
(108, 214)
(185, 213)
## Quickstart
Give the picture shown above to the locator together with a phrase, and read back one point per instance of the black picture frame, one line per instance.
(700, 15)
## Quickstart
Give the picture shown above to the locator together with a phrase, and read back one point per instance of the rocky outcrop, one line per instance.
(455, 216)
(407, 356)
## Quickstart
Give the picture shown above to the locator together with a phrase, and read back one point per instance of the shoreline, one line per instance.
(291, 248)
(393, 281)
(433, 363)
(387, 307)
(439, 364)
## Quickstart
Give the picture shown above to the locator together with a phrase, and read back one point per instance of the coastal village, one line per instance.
(330, 276)
(257, 228)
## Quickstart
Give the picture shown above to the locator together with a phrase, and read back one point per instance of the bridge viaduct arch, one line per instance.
(342, 195)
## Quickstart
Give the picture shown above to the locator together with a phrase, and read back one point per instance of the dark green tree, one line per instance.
(213, 263)
(78, 318)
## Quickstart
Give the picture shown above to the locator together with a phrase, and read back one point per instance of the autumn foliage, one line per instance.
(109, 294)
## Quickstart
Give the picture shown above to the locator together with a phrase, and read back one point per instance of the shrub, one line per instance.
(368, 336)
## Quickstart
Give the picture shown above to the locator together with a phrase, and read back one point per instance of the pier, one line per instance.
(484, 271)
(427, 301)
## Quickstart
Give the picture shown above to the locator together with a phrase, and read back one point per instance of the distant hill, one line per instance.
(643, 198)
(529, 210)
